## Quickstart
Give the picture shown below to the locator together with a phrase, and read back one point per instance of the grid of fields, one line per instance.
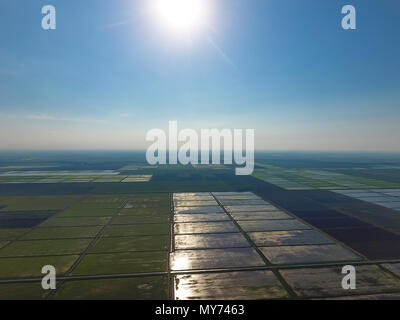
(174, 246)
(71, 177)
(237, 246)
(305, 179)
(119, 242)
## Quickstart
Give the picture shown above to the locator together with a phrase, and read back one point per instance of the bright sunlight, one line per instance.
(182, 16)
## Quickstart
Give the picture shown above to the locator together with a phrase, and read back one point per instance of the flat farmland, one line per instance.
(175, 246)
(200, 232)
(89, 235)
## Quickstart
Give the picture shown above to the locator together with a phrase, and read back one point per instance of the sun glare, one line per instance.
(182, 16)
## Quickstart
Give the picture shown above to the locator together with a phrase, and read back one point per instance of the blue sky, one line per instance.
(286, 68)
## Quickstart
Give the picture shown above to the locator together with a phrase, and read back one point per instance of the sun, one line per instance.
(181, 16)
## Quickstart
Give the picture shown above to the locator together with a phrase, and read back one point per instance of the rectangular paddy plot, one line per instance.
(106, 176)
(211, 217)
(136, 230)
(194, 203)
(127, 244)
(44, 247)
(388, 198)
(197, 209)
(393, 267)
(299, 254)
(256, 216)
(205, 227)
(137, 288)
(13, 233)
(36, 203)
(200, 196)
(75, 222)
(292, 238)
(272, 225)
(210, 241)
(327, 282)
(122, 263)
(23, 219)
(243, 285)
(140, 218)
(31, 267)
(250, 208)
(24, 291)
(62, 233)
(215, 259)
